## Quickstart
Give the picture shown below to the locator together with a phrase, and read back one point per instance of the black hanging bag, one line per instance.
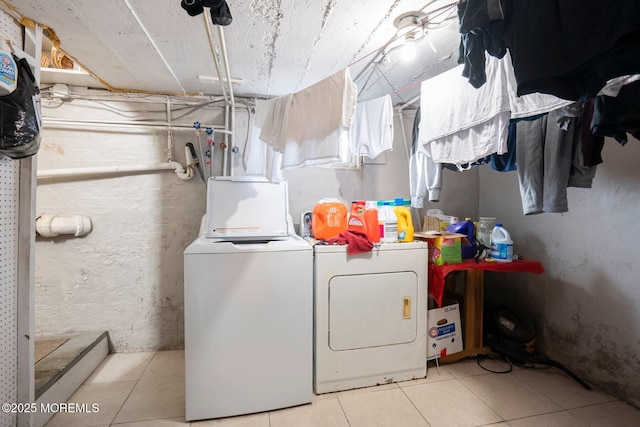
(20, 122)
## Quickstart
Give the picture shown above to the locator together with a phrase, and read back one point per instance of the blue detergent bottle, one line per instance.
(467, 228)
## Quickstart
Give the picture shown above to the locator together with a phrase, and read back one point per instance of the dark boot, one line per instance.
(193, 7)
(221, 15)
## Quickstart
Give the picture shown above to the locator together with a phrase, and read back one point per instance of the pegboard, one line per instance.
(9, 228)
(9, 219)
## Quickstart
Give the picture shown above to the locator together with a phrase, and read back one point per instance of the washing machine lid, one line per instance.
(247, 208)
(204, 245)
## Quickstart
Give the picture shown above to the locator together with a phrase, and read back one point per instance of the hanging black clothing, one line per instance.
(617, 116)
(570, 48)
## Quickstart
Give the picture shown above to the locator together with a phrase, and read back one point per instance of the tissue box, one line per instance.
(444, 247)
(444, 331)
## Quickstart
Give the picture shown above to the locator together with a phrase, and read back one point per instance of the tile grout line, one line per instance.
(132, 388)
(414, 405)
(342, 408)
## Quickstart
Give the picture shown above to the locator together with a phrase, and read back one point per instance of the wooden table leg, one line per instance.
(473, 301)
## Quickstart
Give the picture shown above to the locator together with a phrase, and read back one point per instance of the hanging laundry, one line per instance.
(591, 144)
(461, 124)
(260, 158)
(548, 162)
(482, 27)
(613, 86)
(528, 105)
(572, 48)
(617, 116)
(372, 130)
(425, 175)
(310, 127)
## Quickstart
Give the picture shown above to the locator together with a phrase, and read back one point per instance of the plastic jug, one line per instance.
(467, 228)
(483, 232)
(328, 219)
(390, 223)
(356, 216)
(371, 224)
(501, 244)
(405, 223)
(8, 69)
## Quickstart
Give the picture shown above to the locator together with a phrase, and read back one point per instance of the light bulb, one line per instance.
(409, 49)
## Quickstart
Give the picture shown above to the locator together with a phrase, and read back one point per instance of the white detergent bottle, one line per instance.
(390, 224)
(501, 244)
(8, 69)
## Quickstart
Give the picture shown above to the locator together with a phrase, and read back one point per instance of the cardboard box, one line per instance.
(433, 223)
(444, 331)
(444, 247)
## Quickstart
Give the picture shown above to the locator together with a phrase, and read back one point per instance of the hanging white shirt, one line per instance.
(372, 130)
(261, 159)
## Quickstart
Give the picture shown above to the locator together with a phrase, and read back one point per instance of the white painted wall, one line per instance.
(126, 277)
(585, 305)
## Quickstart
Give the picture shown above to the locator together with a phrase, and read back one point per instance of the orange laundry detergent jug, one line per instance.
(356, 216)
(328, 219)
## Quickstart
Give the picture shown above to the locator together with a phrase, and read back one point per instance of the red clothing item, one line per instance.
(357, 242)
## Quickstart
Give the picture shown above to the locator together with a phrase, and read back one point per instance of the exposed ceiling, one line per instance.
(274, 47)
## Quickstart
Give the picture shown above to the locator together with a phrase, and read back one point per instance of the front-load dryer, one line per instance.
(370, 316)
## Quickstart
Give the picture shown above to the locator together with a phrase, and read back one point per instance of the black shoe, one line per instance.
(221, 15)
(193, 7)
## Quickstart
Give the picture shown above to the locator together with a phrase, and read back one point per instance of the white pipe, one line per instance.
(76, 122)
(229, 123)
(112, 170)
(212, 44)
(225, 62)
(54, 225)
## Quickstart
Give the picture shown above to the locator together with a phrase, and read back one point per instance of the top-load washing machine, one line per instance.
(370, 322)
(248, 300)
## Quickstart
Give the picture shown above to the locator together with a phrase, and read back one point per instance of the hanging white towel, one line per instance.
(261, 159)
(372, 130)
(310, 127)
(461, 124)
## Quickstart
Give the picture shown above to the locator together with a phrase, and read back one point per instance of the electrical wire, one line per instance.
(480, 357)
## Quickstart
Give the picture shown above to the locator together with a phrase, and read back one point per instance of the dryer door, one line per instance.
(371, 310)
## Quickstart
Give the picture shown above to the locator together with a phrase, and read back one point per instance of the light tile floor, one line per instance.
(147, 390)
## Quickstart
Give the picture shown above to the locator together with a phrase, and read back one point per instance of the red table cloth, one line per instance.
(437, 273)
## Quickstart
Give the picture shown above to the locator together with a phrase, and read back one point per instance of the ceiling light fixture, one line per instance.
(410, 30)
